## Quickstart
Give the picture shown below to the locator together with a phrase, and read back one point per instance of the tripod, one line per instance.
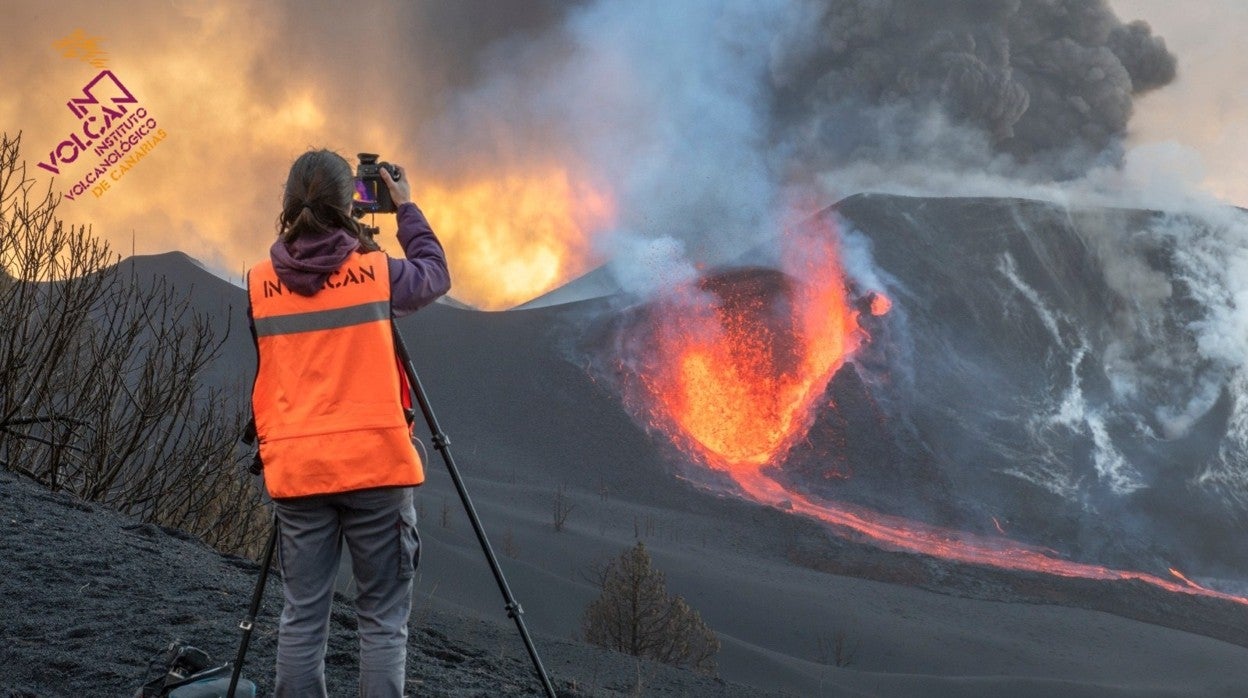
(443, 444)
(256, 597)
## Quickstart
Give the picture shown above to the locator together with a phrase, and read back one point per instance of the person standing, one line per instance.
(329, 407)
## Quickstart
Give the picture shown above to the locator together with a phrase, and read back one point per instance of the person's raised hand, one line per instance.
(400, 191)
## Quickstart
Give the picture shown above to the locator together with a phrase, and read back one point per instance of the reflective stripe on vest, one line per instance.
(327, 393)
(323, 319)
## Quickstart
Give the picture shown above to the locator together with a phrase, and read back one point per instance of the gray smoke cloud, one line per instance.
(1047, 84)
(705, 118)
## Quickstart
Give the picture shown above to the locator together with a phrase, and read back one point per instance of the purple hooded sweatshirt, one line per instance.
(305, 264)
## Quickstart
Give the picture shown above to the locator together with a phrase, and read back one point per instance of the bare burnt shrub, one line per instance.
(636, 615)
(561, 507)
(99, 379)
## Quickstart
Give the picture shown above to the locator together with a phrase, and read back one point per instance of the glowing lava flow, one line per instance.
(732, 370)
(897, 533)
(514, 236)
(750, 350)
(1183, 578)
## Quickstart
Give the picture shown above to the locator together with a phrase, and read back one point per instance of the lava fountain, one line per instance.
(731, 368)
(737, 359)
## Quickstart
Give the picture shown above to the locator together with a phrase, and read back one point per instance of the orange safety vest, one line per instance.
(326, 401)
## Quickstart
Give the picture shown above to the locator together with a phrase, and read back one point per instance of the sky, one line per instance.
(1205, 110)
(239, 90)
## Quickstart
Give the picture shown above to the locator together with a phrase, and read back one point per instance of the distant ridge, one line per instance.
(454, 303)
(178, 268)
(595, 283)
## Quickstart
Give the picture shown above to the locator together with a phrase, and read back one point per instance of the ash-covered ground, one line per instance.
(88, 597)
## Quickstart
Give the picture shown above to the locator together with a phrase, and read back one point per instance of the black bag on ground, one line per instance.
(183, 671)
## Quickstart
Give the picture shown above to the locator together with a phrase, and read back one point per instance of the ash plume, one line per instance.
(706, 118)
(1049, 85)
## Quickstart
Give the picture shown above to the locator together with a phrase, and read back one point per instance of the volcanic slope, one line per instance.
(1044, 366)
(530, 415)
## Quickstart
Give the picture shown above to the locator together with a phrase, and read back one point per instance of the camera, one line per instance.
(371, 193)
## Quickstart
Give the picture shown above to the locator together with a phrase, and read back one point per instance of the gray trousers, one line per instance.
(379, 527)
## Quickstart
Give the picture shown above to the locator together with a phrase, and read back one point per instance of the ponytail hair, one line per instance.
(317, 199)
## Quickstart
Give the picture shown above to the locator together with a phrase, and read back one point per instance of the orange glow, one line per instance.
(513, 237)
(1183, 578)
(880, 304)
(746, 355)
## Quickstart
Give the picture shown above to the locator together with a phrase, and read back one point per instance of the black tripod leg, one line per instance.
(256, 597)
(443, 444)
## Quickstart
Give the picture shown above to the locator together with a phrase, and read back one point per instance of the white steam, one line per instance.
(647, 266)
(665, 102)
